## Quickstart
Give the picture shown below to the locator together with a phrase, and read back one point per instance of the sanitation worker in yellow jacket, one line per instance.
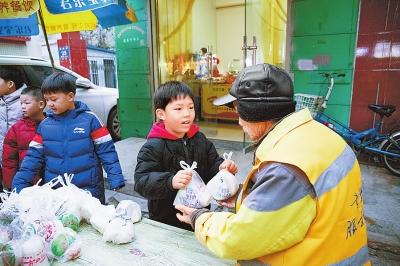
(302, 203)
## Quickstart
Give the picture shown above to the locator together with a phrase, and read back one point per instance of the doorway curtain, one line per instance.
(174, 37)
(267, 20)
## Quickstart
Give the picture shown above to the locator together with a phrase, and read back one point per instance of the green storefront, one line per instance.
(321, 36)
(134, 74)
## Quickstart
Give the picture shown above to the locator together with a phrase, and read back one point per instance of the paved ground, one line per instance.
(381, 196)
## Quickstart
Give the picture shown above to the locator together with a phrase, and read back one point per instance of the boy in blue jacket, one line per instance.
(70, 140)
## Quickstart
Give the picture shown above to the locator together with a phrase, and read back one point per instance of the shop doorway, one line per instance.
(202, 43)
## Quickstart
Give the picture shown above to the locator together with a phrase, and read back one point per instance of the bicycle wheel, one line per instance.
(390, 162)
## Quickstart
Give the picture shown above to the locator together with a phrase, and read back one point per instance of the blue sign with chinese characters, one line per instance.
(19, 27)
(67, 6)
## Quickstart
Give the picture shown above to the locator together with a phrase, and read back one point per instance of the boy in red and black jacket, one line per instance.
(18, 137)
(158, 175)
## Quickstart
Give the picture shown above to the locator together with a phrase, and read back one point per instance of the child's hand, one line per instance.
(229, 165)
(181, 179)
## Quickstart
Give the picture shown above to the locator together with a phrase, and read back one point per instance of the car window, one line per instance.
(20, 68)
(37, 74)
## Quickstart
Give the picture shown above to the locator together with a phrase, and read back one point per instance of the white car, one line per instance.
(102, 101)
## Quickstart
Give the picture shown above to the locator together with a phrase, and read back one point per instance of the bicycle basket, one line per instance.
(312, 102)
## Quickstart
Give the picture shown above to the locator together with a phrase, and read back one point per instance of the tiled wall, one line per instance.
(324, 37)
(377, 69)
(133, 57)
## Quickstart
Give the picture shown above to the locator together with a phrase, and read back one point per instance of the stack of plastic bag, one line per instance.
(33, 232)
(40, 223)
(116, 225)
(195, 194)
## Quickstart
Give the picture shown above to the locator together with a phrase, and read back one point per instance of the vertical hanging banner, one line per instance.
(67, 6)
(18, 8)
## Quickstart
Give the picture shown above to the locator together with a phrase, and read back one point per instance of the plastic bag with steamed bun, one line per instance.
(195, 194)
(224, 184)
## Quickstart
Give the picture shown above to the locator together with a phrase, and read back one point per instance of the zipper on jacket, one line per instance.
(65, 149)
(185, 149)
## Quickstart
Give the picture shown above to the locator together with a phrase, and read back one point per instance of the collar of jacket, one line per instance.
(30, 122)
(80, 107)
(13, 96)
(282, 128)
(158, 131)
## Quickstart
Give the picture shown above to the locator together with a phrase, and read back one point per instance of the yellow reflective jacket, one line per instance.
(327, 228)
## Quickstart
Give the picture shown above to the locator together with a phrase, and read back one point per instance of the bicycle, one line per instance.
(386, 146)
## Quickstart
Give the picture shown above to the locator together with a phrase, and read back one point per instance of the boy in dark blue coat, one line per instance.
(158, 174)
(70, 140)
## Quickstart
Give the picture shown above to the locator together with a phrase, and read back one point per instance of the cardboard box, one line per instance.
(210, 92)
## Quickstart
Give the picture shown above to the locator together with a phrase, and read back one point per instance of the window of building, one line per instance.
(94, 72)
(109, 73)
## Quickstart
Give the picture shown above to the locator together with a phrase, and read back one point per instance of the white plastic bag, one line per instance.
(48, 229)
(224, 184)
(119, 231)
(71, 219)
(33, 252)
(65, 245)
(6, 234)
(75, 202)
(102, 217)
(72, 197)
(8, 208)
(89, 207)
(195, 194)
(129, 210)
(11, 253)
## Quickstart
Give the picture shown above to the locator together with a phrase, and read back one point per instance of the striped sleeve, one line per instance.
(276, 214)
(105, 150)
(100, 135)
(37, 142)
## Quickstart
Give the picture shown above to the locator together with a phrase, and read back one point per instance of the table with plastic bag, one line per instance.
(154, 244)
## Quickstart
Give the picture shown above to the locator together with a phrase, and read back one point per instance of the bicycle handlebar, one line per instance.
(332, 75)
